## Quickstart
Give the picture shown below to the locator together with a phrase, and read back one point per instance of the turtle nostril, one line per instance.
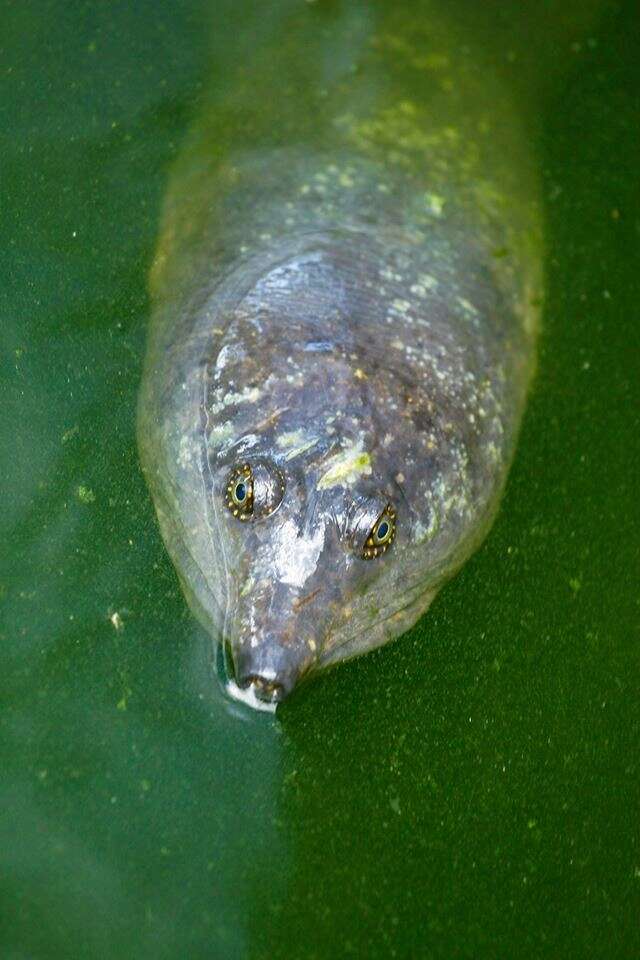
(267, 690)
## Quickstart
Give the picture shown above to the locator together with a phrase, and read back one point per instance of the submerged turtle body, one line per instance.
(342, 339)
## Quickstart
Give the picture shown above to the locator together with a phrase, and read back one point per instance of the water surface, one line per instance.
(470, 791)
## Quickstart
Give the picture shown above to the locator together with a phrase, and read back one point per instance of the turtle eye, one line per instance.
(254, 490)
(240, 492)
(381, 535)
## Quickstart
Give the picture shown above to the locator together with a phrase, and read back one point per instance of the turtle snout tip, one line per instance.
(268, 671)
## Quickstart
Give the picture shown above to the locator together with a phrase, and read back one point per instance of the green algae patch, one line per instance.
(85, 494)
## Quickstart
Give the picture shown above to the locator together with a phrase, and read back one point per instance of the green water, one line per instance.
(472, 790)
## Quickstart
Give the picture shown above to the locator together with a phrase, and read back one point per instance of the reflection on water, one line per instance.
(472, 789)
(247, 697)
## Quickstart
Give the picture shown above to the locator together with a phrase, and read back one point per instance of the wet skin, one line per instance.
(342, 340)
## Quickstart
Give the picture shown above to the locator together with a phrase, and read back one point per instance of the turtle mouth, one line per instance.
(264, 689)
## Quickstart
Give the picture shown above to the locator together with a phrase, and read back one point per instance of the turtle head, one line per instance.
(300, 547)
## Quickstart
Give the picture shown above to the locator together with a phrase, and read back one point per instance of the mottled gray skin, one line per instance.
(351, 301)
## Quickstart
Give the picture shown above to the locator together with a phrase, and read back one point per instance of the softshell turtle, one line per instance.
(346, 295)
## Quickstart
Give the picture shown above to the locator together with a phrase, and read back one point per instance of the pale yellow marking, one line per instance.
(345, 467)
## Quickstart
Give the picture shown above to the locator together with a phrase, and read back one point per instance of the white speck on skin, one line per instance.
(401, 306)
(388, 274)
(229, 352)
(427, 281)
(422, 533)
(467, 306)
(248, 395)
(244, 443)
(220, 433)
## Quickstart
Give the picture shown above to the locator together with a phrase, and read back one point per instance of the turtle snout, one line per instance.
(269, 667)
